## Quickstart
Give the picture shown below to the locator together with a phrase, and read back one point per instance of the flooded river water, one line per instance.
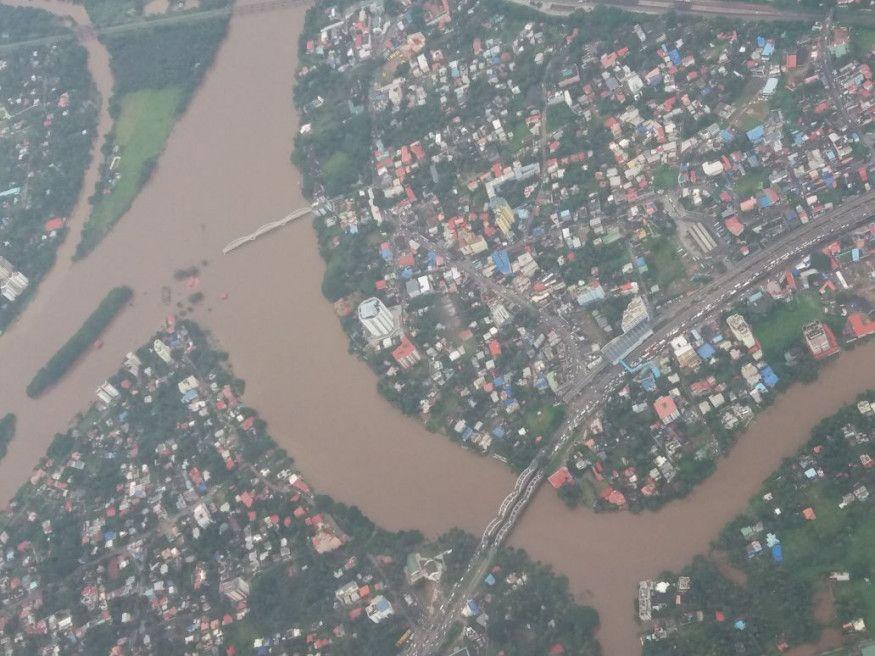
(226, 171)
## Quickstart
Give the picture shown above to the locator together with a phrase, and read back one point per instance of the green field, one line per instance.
(665, 263)
(782, 327)
(750, 184)
(141, 130)
(665, 177)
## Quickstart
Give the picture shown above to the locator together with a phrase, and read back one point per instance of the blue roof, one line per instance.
(675, 57)
(706, 351)
(768, 49)
(502, 261)
(769, 377)
(756, 134)
(726, 135)
(490, 580)
(761, 41)
(778, 554)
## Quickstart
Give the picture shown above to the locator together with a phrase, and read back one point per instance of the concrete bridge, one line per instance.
(266, 228)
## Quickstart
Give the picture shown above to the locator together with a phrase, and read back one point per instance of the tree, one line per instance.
(338, 173)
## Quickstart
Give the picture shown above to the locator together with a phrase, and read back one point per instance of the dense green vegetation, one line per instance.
(532, 618)
(21, 23)
(776, 603)
(67, 355)
(141, 130)
(156, 71)
(782, 326)
(7, 432)
(45, 149)
(113, 12)
(665, 263)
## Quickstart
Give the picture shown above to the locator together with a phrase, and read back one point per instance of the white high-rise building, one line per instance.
(377, 319)
(635, 314)
(740, 330)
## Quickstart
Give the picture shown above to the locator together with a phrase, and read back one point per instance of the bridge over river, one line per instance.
(266, 228)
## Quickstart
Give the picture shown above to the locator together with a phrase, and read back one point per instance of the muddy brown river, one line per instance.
(225, 172)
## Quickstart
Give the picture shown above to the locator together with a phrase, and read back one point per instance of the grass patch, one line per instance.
(782, 327)
(665, 263)
(750, 184)
(559, 115)
(665, 177)
(66, 356)
(145, 121)
(543, 419)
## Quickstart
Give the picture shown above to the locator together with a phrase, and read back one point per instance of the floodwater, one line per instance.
(605, 555)
(225, 172)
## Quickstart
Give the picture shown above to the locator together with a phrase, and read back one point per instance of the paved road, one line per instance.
(592, 389)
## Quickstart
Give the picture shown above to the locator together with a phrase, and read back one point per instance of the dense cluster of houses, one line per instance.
(47, 115)
(578, 172)
(708, 383)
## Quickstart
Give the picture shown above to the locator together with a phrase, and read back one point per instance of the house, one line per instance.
(666, 409)
(379, 609)
(858, 326)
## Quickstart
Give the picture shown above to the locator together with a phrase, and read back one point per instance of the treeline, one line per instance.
(165, 55)
(7, 432)
(94, 325)
(22, 23)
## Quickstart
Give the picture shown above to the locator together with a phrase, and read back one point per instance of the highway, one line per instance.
(591, 389)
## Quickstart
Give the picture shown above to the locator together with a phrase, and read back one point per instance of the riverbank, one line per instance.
(605, 555)
(321, 404)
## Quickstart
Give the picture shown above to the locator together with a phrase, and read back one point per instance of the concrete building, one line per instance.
(820, 340)
(235, 590)
(635, 314)
(504, 216)
(376, 318)
(12, 287)
(741, 331)
(379, 609)
(666, 409)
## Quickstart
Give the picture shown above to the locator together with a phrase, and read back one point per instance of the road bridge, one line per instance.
(266, 228)
(593, 388)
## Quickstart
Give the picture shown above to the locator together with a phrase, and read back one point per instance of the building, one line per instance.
(684, 353)
(666, 409)
(635, 314)
(619, 347)
(504, 216)
(858, 326)
(235, 590)
(12, 287)
(819, 340)
(405, 353)
(421, 568)
(741, 331)
(379, 609)
(590, 294)
(376, 318)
